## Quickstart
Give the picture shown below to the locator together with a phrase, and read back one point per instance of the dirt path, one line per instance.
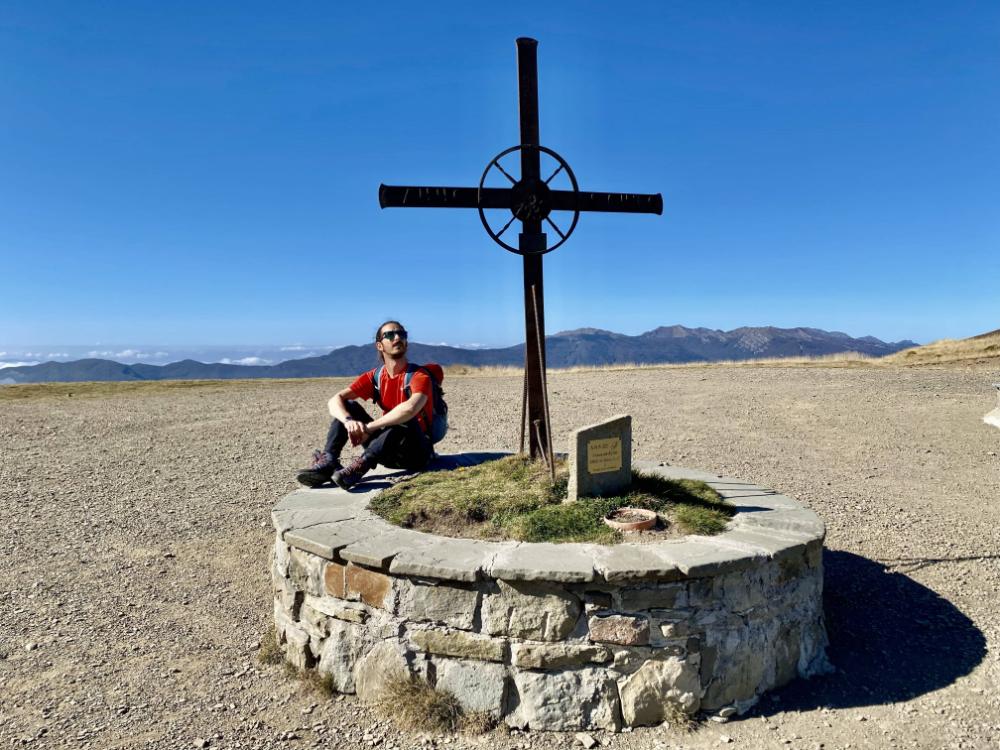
(136, 529)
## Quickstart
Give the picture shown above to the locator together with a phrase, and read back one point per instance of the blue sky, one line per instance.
(206, 173)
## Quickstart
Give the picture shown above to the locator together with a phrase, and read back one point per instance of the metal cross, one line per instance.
(530, 200)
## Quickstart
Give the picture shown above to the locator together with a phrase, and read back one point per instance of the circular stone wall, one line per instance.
(553, 636)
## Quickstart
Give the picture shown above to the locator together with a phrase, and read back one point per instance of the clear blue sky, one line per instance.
(192, 172)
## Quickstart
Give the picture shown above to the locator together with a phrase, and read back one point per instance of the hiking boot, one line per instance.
(351, 474)
(320, 470)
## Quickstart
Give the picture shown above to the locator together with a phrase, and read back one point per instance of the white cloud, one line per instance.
(100, 354)
(3, 354)
(294, 348)
(52, 355)
(16, 364)
(245, 361)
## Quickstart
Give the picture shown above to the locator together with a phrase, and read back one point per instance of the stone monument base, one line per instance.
(554, 637)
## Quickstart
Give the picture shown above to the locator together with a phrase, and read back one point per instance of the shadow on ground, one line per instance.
(442, 462)
(891, 639)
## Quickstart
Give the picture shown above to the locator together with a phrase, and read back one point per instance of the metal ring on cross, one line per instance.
(531, 199)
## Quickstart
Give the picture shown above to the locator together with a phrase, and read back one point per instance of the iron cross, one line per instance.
(530, 201)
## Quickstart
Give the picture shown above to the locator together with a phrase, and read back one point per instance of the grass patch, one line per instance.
(675, 718)
(414, 705)
(312, 679)
(270, 651)
(514, 498)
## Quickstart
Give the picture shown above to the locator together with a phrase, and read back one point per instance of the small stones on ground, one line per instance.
(586, 740)
(99, 670)
(725, 739)
(200, 742)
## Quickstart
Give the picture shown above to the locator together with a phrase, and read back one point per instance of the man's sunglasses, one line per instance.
(391, 335)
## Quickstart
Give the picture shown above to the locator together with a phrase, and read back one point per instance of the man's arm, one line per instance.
(338, 405)
(403, 413)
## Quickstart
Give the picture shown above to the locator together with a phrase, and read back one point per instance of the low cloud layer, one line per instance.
(245, 361)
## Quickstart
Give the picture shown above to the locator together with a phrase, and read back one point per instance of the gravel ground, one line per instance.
(135, 589)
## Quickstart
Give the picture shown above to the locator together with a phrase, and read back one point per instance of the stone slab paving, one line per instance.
(327, 539)
(698, 558)
(450, 559)
(378, 550)
(633, 562)
(566, 563)
(765, 543)
(303, 518)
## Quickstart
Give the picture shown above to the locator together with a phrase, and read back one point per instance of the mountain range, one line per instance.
(581, 347)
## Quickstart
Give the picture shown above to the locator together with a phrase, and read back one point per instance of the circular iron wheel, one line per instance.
(531, 199)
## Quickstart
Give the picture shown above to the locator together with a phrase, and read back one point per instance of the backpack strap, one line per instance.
(377, 378)
(410, 369)
(407, 391)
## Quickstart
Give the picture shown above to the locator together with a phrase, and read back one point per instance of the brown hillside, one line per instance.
(984, 348)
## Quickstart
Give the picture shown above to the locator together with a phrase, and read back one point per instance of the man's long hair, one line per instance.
(378, 334)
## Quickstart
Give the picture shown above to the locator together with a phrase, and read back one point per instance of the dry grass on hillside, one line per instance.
(839, 359)
(981, 349)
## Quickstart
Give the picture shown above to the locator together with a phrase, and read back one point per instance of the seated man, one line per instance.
(399, 438)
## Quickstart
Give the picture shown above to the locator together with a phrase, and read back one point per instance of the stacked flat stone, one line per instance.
(554, 636)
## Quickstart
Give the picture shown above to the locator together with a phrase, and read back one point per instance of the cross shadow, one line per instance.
(457, 460)
(891, 639)
(444, 462)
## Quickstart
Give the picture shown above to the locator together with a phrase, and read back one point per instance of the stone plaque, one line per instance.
(600, 459)
(604, 455)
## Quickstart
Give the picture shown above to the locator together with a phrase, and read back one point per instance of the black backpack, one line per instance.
(439, 421)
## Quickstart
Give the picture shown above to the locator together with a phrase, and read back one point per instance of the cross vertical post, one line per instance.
(531, 243)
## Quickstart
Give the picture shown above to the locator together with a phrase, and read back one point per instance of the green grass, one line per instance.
(514, 498)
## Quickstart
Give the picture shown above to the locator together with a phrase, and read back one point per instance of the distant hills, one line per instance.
(582, 347)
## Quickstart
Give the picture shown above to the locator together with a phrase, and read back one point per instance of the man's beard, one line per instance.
(396, 355)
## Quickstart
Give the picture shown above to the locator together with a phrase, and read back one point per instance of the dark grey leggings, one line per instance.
(403, 446)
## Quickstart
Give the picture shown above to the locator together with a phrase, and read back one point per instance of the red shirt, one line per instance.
(392, 391)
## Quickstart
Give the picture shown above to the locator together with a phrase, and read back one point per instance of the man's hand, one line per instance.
(356, 431)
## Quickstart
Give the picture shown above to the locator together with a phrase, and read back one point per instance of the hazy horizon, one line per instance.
(248, 354)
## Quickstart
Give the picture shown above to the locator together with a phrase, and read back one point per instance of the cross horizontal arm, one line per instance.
(408, 196)
(624, 203)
